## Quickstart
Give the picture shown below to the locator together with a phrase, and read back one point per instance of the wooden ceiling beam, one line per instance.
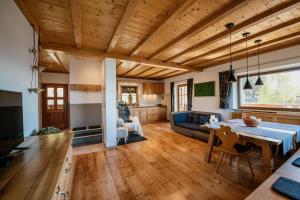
(200, 26)
(56, 59)
(183, 6)
(241, 55)
(149, 69)
(130, 70)
(172, 74)
(254, 47)
(259, 34)
(122, 24)
(75, 6)
(283, 7)
(31, 20)
(100, 54)
(154, 73)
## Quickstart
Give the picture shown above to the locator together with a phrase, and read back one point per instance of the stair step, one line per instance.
(89, 132)
(87, 140)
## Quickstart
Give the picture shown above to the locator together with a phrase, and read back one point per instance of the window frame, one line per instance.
(137, 93)
(264, 108)
(178, 99)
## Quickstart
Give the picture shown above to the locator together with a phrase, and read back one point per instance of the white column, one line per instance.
(109, 111)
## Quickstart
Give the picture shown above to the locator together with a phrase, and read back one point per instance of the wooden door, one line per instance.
(55, 109)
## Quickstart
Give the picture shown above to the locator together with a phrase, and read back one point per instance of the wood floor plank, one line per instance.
(166, 166)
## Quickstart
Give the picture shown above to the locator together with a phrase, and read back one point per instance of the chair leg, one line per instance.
(220, 161)
(125, 140)
(250, 166)
(237, 169)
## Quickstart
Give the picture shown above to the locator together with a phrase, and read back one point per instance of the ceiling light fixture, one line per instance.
(231, 78)
(259, 82)
(247, 85)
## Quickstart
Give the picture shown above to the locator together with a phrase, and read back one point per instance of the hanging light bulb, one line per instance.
(258, 82)
(247, 85)
(231, 78)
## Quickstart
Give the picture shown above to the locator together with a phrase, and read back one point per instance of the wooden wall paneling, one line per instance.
(75, 6)
(241, 41)
(281, 8)
(88, 88)
(100, 54)
(200, 26)
(128, 12)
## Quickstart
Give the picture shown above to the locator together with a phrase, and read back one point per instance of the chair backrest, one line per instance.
(228, 138)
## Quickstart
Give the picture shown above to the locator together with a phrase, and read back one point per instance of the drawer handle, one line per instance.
(65, 195)
(57, 190)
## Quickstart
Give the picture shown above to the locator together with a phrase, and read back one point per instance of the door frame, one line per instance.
(67, 104)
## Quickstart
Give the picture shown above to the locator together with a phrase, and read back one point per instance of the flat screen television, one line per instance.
(11, 121)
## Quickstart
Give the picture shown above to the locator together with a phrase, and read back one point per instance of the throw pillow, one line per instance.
(120, 122)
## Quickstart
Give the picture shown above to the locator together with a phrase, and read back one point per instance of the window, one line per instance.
(280, 91)
(129, 95)
(182, 97)
(55, 98)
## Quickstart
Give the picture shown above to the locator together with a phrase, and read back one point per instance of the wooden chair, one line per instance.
(230, 146)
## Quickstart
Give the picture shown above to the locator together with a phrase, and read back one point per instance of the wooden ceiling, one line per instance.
(158, 39)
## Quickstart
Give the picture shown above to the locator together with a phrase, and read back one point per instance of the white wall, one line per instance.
(144, 100)
(285, 58)
(87, 72)
(15, 61)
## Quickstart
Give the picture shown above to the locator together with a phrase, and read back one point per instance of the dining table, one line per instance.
(270, 136)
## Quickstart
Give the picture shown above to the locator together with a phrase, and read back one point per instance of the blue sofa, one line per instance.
(189, 123)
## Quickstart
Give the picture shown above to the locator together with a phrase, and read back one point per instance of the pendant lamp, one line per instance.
(247, 85)
(231, 78)
(259, 82)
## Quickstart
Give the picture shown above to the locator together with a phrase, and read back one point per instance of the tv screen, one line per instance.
(11, 121)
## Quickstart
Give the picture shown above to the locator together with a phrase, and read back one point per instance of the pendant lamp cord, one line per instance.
(230, 50)
(258, 61)
(247, 55)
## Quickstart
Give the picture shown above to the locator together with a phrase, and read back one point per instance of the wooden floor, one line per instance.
(166, 166)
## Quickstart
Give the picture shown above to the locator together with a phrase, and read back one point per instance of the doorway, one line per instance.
(55, 108)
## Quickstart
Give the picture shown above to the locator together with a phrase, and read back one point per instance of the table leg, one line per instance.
(267, 158)
(211, 141)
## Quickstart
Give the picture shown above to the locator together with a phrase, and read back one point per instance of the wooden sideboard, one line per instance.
(149, 114)
(153, 88)
(270, 116)
(44, 171)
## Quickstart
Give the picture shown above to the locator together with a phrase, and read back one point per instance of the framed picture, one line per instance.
(205, 89)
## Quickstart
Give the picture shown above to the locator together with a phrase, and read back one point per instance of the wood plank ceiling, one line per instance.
(157, 39)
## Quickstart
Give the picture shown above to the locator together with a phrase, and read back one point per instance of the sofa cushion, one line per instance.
(203, 119)
(193, 126)
(180, 117)
(190, 117)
